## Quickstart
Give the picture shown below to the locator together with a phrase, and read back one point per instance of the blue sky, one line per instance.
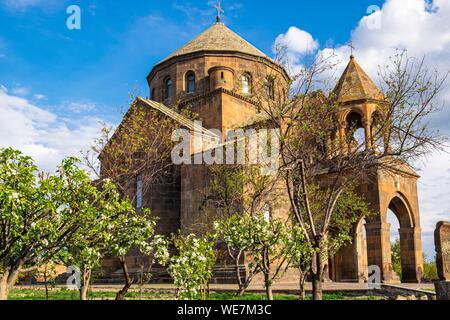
(119, 42)
(57, 85)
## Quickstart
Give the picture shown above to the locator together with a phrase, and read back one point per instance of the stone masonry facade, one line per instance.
(207, 77)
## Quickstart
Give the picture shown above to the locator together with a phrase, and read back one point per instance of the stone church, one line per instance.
(213, 75)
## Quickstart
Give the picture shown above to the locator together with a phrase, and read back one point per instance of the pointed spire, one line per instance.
(355, 85)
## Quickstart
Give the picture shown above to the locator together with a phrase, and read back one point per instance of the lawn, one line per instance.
(64, 294)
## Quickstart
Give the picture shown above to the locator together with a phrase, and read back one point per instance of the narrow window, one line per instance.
(139, 190)
(168, 88)
(190, 82)
(270, 88)
(246, 83)
(221, 75)
(267, 213)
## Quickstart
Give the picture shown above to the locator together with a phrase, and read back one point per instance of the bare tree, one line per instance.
(318, 149)
(139, 148)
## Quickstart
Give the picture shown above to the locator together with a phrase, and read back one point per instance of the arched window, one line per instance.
(355, 132)
(246, 83)
(270, 87)
(168, 88)
(190, 82)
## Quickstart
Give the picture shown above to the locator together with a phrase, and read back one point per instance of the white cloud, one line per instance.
(297, 41)
(411, 25)
(41, 134)
(421, 29)
(21, 90)
(19, 5)
(404, 25)
(39, 96)
(293, 46)
(79, 107)
(434, 196)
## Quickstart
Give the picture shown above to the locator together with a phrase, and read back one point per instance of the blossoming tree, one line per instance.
(191, 267)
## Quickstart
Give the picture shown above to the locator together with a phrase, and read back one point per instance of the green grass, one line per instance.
(254, 296)
(250, 296)
(64, 294)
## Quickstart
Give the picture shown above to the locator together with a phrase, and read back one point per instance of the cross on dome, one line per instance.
(219, 12)
(352, 47)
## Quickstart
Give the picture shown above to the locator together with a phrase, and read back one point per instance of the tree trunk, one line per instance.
(128, 281)
(85, 286)
(302, 281)
(237, 269)
(244, 285)
(8, 279)
(317, 287)
(84, 292)
(46, 283)
(4, 291)
(317, 270)
(269, 293)
(268, 285)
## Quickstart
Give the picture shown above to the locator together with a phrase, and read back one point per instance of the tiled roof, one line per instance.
(218, 38)
(355, 84)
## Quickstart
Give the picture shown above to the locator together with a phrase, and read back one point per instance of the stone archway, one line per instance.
(372, 246)
(407, 232)
(350, 262)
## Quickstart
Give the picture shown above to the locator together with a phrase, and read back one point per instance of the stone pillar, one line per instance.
(361, 257)
(367, 134)
(342, 139)
(412, 261)
(379, 248)
(442, 242)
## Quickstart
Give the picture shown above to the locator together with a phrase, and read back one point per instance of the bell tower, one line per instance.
(361, 105)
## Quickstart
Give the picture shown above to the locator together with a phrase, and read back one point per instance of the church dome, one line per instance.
(217, 38)
(217, 58)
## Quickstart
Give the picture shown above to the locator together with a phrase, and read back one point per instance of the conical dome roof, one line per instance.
(218, 38)
(355, 85)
